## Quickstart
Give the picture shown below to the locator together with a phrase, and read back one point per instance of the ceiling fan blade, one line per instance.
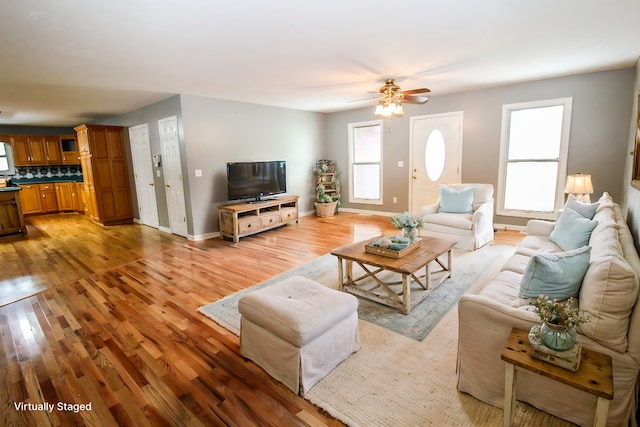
(414, 91)
(412, 99)
(363, 99)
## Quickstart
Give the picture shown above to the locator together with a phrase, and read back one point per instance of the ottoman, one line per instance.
(298, 330)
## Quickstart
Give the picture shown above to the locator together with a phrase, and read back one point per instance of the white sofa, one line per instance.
(608, 292)
(472, 229)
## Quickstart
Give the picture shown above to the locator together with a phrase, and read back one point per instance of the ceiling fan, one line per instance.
(391, 98)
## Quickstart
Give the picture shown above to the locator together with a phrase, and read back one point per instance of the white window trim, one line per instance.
(10, 170)
(351, 127)
(562, 161)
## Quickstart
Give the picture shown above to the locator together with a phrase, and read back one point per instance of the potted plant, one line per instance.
(409, 224)
(327, 188)
(559, 321)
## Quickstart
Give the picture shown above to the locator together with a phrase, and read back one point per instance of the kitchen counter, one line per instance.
(47, 180)
(10, 188)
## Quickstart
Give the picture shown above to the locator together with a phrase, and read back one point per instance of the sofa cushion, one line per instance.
(608, 294)
(572, 230)
(556, 275)
(463, 221)
(587, 210)
(456, 201)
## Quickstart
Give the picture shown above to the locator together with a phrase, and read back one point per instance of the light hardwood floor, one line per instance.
(107, 316)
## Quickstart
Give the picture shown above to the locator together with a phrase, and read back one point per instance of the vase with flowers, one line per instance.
(409, 225)
(559, 321)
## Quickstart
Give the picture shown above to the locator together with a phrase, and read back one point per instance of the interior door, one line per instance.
(436, 156)
(143, 173)
(172, 168)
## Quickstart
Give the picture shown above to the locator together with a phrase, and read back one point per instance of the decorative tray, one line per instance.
(398, 248)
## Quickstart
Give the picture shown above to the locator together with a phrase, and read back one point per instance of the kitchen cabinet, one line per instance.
(36, 150)
(28, 150)
(11, 217)
(104, 170)
(48, 197)
(76, 197)
(70, 154)
(30, 198)
(53, 150)
(64, 196)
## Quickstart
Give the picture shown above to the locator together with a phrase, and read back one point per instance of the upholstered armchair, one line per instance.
(464, 213)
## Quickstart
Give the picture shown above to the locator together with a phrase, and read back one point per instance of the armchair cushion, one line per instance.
(456, 201)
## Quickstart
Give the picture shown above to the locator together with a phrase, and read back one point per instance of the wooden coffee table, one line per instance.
(407, 266)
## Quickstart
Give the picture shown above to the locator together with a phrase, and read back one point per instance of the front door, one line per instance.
(172, 168)
(143, 173)
(436, 156)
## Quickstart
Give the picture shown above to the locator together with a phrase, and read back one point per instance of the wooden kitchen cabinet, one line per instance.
(70, 154)
(104, 170)
(11, 217)
(28, 150)
(31, 150)
(76, 197)
(64, 196)
(48, 197)
(30, 198)
(53, 150)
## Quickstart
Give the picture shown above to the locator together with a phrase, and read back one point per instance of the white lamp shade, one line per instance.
(579, 184)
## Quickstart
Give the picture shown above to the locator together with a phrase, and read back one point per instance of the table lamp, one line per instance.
(579, 187)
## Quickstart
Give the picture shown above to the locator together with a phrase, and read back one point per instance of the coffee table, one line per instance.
(407, 266)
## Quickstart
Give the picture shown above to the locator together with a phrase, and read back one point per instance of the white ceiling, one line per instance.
(65, 62)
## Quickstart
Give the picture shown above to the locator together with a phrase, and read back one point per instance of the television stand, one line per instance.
(244, 219)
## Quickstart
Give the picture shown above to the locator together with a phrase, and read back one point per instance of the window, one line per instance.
(6, 165)
(533, 153)
(365, 162)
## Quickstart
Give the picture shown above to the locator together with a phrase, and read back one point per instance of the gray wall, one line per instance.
(631, 196)
(598, 140)
(213, 132)
(149, 115)
(218, 131)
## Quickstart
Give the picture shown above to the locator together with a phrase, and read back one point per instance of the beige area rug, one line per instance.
(396, 381)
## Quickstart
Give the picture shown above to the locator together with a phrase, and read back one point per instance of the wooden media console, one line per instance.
(245, 219)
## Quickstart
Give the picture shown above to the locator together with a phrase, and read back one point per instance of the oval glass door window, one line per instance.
(434, 155)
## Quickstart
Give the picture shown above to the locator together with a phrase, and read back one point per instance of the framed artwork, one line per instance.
(635, 180)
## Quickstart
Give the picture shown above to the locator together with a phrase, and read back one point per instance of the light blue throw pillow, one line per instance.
(556, 275)
(456, 201)
(572, 231)
(587, 210)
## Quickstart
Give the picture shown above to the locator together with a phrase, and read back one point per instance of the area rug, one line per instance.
(442, 295)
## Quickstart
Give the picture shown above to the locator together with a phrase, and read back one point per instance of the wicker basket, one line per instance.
(324, 210)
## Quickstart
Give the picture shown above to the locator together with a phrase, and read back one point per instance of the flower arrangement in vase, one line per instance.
(559, 321)
(409, 224)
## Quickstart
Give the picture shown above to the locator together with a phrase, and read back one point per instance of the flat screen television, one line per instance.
(254, 180)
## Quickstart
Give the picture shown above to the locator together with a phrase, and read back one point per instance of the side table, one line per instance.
(594, 375)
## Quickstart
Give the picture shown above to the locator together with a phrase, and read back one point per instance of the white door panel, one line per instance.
(143, 173)
(172, 168)
(436, 156)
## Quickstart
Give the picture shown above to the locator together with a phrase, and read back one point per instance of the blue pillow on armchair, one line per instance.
(456, 201)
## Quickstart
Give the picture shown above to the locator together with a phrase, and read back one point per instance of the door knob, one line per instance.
(167, 185)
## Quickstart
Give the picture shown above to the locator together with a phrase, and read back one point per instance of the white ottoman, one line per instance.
(298, 330)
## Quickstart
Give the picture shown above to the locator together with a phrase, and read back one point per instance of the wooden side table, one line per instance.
(594, 375)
